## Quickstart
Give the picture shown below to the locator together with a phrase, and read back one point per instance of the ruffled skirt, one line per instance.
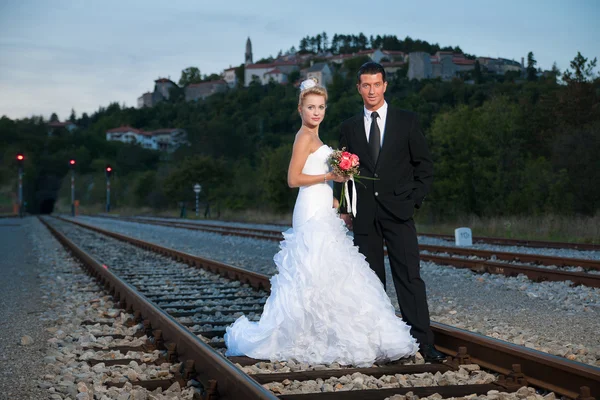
(326, 304)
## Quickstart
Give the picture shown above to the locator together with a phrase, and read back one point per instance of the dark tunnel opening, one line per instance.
(47, 206)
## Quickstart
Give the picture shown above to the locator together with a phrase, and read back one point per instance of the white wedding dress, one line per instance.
(326, 304)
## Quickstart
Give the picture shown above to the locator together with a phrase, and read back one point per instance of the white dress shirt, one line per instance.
(382, 111)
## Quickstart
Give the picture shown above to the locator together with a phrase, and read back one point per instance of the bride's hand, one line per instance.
(338, 178)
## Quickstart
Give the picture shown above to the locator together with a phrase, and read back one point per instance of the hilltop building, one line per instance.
(196, 91)
(421, 65)
(264, 73)
(161, 139)
(447, 65)
(162, 88)
(320, 71)
(248, 58)
(56, 128)
(229, 76)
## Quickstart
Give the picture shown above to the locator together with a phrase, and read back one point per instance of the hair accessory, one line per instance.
(308, 83)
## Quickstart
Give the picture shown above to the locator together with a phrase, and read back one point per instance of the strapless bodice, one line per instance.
(318, 197)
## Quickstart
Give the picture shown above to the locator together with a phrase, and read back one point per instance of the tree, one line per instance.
(240, 75)
(325, 41)
(303, 45)
(85, 120)
(54, 117)
(72, 117)
(531, 70)
(583, 70)
(190, 75)
(477, 73)
(212, 77)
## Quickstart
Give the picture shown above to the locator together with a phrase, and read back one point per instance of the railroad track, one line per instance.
(476, 239)
(493, 262)
(139, 291)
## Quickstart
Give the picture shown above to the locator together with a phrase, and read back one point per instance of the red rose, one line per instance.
(354, 160)
(345, 164)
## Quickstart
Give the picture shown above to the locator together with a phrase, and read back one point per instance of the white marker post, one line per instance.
(463, 237)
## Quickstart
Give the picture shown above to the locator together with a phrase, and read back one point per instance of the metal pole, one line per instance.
(21, 192)
(197, 203)
(107, 194)
(72, 193)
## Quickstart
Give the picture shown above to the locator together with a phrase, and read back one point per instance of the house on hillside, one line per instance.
(162, 91)
(229, 76)
(392, 67)
(145, 100)
(319, 71)
(443, 64)
(278, 71)
(197, 91)
(56, 127)
(168, 139)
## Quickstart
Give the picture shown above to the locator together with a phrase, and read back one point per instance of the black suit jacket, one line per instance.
(404, 169)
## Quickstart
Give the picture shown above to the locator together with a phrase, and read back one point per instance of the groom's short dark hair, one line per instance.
(370, 68)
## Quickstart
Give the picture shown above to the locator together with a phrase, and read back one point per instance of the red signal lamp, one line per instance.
(72, 162)
(20, 157)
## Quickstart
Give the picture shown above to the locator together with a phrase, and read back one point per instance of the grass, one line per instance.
(576, 229)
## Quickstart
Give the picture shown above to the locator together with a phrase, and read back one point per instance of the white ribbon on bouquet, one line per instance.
(351, 207)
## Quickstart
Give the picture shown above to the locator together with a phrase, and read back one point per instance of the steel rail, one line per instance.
(276, 236)
(545, 371)
(478, 239)
(534, 273)
(520, 257)
(521, 242)
(492, 267)
(232, 383)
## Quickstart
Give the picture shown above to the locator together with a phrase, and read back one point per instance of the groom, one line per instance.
(392, 149)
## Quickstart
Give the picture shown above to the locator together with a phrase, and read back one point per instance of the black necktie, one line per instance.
(374, 137)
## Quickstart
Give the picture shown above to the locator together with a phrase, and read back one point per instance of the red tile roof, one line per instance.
(271, 65)
(123, 129)
(463, 61)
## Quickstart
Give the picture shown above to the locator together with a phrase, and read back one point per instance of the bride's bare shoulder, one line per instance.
(303, 139)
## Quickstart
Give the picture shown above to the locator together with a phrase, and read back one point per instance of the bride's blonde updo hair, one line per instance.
(311, 86)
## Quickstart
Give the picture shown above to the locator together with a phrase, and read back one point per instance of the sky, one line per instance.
(61, 55)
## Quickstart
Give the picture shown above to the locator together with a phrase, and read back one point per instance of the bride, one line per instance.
(326, 304)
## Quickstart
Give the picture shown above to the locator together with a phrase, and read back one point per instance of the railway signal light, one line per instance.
(72, 163)
(108, 170)
(20, 160)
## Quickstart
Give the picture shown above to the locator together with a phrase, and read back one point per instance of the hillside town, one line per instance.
(445, 65)
(290, 69)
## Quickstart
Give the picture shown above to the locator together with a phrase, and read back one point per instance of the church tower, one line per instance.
(248, 52)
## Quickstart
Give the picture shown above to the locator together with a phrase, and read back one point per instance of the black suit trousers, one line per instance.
(403, 251)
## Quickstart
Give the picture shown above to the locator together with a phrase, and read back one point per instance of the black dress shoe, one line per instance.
(430, 354)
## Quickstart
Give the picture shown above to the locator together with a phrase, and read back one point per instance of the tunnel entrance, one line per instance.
(47, 206)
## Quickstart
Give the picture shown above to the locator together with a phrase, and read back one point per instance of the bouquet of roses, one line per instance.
(346, 164)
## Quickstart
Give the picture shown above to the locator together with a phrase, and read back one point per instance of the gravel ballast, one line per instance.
(22, 334)
(555, 317)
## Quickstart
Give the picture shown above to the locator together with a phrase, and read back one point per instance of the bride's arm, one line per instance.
(300, 153)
